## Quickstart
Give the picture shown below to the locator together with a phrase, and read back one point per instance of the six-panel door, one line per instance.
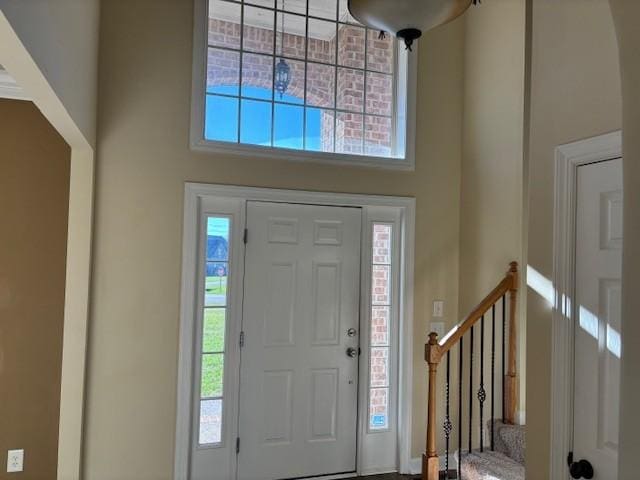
(597, 310)
(299, 385)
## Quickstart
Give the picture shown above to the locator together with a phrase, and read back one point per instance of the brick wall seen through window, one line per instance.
(341, 95)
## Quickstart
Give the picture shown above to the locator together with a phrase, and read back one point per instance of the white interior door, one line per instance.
(597, 309)
(298, 386)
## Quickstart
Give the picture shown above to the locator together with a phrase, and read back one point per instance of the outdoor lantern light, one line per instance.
(407, 19)
(283, 77)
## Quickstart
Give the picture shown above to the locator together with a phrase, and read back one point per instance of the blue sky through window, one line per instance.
(221, 119)
(218, 226)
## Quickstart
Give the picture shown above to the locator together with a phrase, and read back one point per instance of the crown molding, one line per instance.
(9, 88)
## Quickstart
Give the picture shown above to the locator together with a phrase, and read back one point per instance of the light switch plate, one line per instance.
(437, 327)
(15, 461)
(438, 308)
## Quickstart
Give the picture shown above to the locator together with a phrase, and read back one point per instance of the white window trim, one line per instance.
(198, 86)
(374, 454)
(568, 158)
(376, 208)
(229, 353)
(196, 209)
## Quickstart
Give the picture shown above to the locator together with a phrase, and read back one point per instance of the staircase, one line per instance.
(479, 357)
(504, 461)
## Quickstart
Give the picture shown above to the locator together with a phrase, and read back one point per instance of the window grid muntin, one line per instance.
(273, 73)
(364, 92)
(387, 388)
(335, 79)
(393, 118)
(295, 59)
(241, 67)
(284, 102)
(202, 354)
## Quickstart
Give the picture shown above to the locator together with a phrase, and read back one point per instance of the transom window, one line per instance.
(302, 75)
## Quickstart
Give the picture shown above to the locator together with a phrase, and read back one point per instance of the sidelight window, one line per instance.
(380, 334)
(213, 335)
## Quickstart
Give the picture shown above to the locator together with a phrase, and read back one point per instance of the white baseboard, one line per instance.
(377, 471)
(415, 466)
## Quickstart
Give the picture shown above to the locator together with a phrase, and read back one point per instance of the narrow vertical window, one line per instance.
(212, 348)
(380, 341)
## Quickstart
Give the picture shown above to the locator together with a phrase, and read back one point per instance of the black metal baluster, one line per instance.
(504, 348)
(471, 392)
(460, 364)
(493, 373)
(482, 394)
(447, 419)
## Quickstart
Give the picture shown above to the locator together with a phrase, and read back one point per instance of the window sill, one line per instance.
(253, 151)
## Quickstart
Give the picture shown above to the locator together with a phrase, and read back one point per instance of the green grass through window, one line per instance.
(213, 330)
(216, 285)
(212, 375)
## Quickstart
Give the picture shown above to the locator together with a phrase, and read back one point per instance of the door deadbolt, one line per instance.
(351, 332)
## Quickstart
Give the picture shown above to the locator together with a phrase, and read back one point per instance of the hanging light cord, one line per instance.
(282, 32)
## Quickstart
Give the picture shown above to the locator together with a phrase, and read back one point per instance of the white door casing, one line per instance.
(299, 389)
(561, 289)
(597, 311)
(377, 451)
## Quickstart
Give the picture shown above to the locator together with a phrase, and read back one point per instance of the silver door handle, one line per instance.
(352, 352)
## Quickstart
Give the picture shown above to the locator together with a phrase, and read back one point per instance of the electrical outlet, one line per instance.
(438, 308)
(15, 460)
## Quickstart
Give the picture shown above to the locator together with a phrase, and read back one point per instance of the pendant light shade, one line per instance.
(406, 19)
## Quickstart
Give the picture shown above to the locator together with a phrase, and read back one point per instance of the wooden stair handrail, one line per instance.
(434, 351)
(508, 284)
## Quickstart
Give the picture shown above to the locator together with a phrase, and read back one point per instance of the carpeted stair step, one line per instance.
(506, 462)
(490, 465)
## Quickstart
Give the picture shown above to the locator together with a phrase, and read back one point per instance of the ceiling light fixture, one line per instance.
(407, 19)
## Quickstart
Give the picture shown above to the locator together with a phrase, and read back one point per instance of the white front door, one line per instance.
(298, 385)
(597, 310)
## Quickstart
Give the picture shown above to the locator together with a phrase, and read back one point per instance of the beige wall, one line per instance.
(575, 93)
(62, 38)
(143, 162)
(34, 197)
(491, 193)
(627, 15)
(51, 49)
(491, 212)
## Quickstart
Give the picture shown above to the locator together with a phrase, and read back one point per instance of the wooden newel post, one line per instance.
(430, 460)
(511, 396)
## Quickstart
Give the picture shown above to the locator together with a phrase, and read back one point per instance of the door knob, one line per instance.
(580, 469)
(352, 352)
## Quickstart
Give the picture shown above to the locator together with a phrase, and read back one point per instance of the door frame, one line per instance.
(404, 207)
(568, 158)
